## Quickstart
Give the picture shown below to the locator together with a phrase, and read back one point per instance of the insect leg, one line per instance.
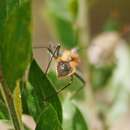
(56, 52)
(78, 75)
(60, 90)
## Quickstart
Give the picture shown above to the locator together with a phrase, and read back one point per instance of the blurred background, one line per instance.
(101, 30)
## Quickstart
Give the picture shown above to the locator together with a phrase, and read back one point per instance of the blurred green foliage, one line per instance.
(39, 91)
(73, 117)
(63, 17)
(48, 120)
(65, 32)
(79, 122)
(42, 90)
(101, 76)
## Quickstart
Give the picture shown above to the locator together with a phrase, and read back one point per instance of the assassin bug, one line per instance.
(66, 64)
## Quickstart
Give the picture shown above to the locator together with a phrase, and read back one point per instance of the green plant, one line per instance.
(20, 95)
(26, 90)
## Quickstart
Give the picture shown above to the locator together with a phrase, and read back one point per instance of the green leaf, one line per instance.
(48, 120)
(3, 110)
(65, 32)
(79, 122)
(7, 7)
(42, 88)
(73, 8)
(59, 8)
(17, 101)
(30, 99)
(24, 96)
(61, 14)
(2, 17)
(15, 43)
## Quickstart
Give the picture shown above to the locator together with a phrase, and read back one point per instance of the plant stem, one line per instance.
(84, 39)
(7, 96)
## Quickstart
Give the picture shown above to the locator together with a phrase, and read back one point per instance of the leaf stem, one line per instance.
(7, 96)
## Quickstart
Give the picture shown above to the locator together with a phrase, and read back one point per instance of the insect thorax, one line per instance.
(63, 68)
